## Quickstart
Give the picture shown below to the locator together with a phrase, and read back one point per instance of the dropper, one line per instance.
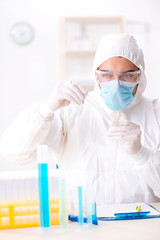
(94, 104)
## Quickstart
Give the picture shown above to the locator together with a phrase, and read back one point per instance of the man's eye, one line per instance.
(130, 76)
(107, 75)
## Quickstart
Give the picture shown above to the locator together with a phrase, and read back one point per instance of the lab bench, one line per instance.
(141, 229)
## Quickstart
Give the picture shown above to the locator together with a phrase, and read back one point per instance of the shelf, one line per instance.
(95, 19)
(83, 51)
(79, 37)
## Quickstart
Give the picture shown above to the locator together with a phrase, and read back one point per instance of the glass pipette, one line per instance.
(90, 100)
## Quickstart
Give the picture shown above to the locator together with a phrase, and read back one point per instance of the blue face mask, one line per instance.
(117, 94)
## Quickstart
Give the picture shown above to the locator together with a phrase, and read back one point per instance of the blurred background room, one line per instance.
(43, 41)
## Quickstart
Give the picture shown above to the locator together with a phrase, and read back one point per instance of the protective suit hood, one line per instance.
(123, 45)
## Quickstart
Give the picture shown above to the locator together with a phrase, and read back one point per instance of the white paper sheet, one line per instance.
(108, 210)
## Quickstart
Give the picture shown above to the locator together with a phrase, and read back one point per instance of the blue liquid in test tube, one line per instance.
(94, 216)
(80, 206)
(42, 151)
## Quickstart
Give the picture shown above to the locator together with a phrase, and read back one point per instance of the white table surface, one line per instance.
(142, 229)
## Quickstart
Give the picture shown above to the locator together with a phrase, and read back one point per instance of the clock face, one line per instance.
(22, 33)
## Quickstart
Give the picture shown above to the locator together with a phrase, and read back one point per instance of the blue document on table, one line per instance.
(126, 211)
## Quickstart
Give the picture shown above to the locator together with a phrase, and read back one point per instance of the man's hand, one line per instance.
(65, 93)
(128, 133)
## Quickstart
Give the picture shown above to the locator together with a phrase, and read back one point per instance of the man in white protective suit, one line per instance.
(110, 136)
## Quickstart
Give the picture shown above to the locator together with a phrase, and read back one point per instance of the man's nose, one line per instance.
(117, 76)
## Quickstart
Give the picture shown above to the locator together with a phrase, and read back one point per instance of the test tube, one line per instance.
(89, 203)
(80, 206)
(94, 207)
(63, 204)
(94, 216)
(42, 152)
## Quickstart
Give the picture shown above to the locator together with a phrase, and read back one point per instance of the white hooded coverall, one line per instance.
(77, 136)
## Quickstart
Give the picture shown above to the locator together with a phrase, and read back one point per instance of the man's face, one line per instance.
(119, 64)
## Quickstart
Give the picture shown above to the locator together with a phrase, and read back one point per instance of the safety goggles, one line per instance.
(106, 76)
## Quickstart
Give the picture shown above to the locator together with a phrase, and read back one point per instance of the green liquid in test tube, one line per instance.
(63, 203)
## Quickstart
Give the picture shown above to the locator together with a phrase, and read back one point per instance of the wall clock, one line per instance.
(22, 33)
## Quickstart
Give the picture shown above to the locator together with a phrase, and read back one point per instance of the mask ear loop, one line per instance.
(137, 84)
(139, 77)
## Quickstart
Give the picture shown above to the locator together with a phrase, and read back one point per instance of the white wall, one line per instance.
(28, 73)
